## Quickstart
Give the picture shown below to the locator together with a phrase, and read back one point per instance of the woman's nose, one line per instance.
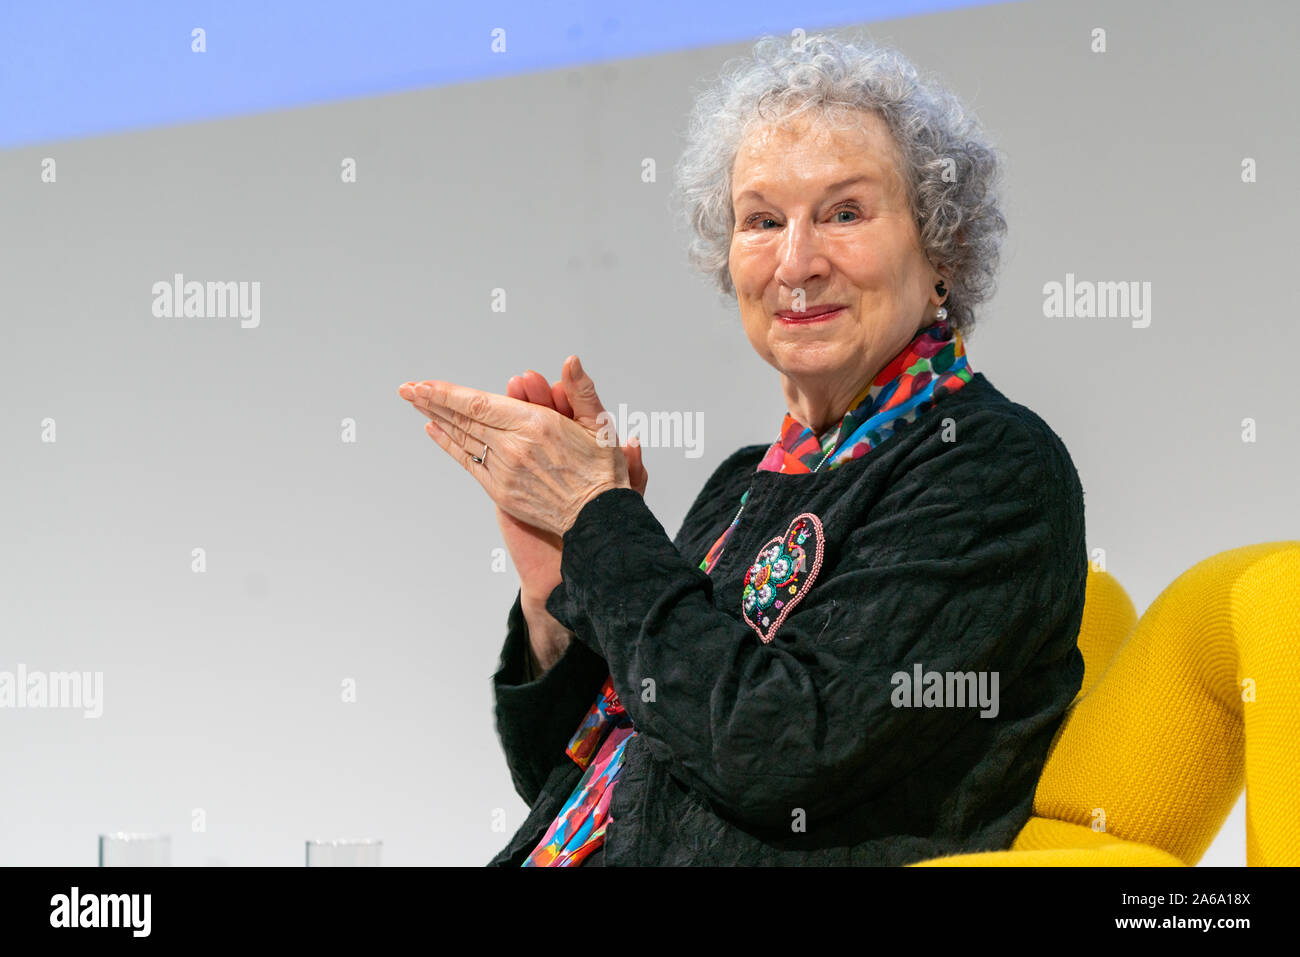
(801, 256)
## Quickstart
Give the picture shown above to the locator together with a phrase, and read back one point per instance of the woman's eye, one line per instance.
(852, 208)
(758, 218)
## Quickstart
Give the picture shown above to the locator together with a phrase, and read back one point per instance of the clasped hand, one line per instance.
(540, 465)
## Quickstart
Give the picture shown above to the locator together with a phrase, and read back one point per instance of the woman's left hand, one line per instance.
(540, 466)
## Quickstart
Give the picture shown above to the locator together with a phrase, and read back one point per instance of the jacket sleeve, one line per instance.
(973, 559)
(536, 717)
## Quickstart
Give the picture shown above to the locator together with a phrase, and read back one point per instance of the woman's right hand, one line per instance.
(536, 553)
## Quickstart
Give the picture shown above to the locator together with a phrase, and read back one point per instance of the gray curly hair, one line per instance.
(951, 172)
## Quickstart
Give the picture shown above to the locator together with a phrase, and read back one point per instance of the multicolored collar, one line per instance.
(932, 365)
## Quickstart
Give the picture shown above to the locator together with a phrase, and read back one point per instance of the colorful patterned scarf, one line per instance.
(931, 366)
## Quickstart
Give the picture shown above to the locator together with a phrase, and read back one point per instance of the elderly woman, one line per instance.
(859, 645)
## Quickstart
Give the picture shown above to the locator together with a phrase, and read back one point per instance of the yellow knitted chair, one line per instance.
(1178, 710)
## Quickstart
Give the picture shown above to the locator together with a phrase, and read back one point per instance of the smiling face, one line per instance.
(821, 207)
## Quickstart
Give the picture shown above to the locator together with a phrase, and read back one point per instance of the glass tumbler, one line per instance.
(344, 853)
(123, 849)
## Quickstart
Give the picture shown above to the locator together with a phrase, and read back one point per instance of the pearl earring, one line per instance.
(941, 314)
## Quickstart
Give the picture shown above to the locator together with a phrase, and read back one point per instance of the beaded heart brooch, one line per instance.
(782, 574)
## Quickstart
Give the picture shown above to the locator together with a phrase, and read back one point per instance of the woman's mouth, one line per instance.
(815, 314)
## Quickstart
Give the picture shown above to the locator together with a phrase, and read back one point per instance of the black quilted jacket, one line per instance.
(956, 546)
